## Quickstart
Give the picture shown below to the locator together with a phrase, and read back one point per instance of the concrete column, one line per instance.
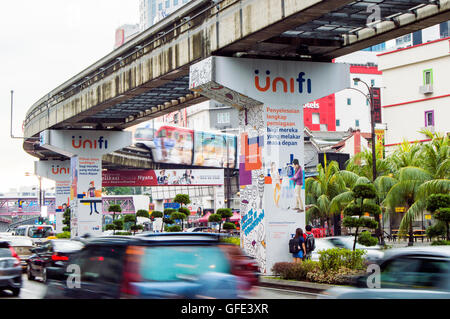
(85, 149)
(58, 171)
(270, 96)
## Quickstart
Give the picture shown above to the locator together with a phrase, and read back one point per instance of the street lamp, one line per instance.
(374, 159)
(372, 124)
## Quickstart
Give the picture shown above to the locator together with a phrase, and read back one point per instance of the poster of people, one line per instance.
(163, 177)
(86, 193)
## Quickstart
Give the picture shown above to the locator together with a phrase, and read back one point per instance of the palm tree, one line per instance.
(435, 156)
(404, 193)
(320, 190)
(362, 163)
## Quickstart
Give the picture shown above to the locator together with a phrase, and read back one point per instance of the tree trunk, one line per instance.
(411, 235)
(356, 237)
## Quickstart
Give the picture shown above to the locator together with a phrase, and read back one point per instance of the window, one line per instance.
(349, 101)
(357, 123)
(167, 4)
(338, 122)
(223, 118)
(175, 2)
(429, 118)
(160, 7)
(175, 263)
(316, 118)
(428, 77)
(372, 82)
(355, 82)
(415, 272)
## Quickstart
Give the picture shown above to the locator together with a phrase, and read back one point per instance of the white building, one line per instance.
(417, 93)
(152, 11)
(352, 106)
(125, 33)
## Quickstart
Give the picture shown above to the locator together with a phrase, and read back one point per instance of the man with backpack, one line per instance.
(310, 242)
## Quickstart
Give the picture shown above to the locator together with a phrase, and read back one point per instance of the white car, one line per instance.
(373, 253)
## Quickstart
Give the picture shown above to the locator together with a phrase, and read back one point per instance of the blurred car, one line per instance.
(242, 266)
(163, 265)
(321, 244)
(10, 269)
(373, 253)
(196, 229)
(405, 273)
(55, 252)
(22, 246)
(37, 233)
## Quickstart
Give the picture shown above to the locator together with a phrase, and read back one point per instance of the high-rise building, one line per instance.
(124, 33)
(152, 11)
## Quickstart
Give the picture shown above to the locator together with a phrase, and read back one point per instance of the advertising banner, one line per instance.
(379, 145)
(376, 99)
(58, 171)
(270, 96)
(163, 177)
(86, 194)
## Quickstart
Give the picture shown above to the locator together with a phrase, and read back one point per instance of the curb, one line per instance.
(295, 285)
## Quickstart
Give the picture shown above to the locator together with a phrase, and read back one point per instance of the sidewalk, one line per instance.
(311, 287)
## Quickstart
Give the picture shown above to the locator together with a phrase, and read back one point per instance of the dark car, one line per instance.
(52, 253)
(405, 273)
(10, 269)
(163, 265)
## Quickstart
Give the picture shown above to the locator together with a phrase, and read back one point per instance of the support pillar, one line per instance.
(85, 149)
(58, 171)
(270, 96)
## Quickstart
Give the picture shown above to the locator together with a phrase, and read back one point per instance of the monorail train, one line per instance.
(179, 145)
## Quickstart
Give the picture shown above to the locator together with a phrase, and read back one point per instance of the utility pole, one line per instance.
(374, 158)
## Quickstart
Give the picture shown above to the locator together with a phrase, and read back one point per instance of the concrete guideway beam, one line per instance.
(162, 55)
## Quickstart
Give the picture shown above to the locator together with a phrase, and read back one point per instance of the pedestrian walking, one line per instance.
(310, 242)
(297, 246)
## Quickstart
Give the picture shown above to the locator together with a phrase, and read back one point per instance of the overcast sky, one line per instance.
(42, 44)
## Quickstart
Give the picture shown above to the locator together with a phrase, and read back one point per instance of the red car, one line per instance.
(242, 265)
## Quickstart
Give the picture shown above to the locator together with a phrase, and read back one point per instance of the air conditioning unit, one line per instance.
(426, 89)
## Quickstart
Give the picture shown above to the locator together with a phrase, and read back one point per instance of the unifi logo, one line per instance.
(59, 170)
(292, 85)
(92, 144)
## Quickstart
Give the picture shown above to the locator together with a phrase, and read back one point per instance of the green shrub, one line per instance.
(142, 213)
(437, 201)
(231, 240)
(118, 224)
(342, 276)
(440, 243)
(110, 227)
(65, 234)
(174, 228)
(129, 218)
(335, 258)
(437, 230)
(294, 271)
(366, 239)
(184, 211)
(229, 226)
(157, 214)
(182, 199)
(123, 233)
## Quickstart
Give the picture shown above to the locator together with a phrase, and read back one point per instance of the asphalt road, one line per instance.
(30, 290)
(36, 290)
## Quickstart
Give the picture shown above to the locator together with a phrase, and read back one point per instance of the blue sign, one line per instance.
(172, 205)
